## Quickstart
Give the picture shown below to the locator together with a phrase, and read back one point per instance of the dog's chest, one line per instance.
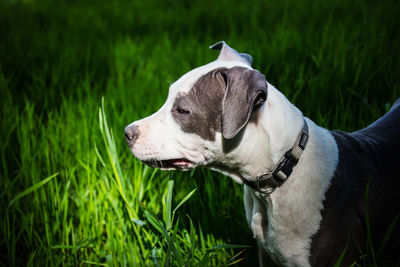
(287, 244)
(276, 243)
(280, 231)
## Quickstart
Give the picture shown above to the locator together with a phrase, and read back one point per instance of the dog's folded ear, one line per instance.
(245, 89)
(227, 53)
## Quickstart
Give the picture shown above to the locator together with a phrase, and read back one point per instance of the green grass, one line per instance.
(71, 193)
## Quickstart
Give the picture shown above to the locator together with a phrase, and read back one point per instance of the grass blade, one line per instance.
(32, 188)
(154, 256)
(167, 207)
(154, 221)
(387, 235)
(185, 199)
(339, 261)
(223, 246)
(192, 241)
(235, 259)
(206, 258)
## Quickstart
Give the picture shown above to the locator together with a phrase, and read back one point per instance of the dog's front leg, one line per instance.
(257, 219)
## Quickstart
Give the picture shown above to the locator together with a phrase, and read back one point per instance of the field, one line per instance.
(71, 193)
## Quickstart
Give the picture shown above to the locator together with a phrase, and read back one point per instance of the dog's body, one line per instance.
(225, 116)
(366, 157)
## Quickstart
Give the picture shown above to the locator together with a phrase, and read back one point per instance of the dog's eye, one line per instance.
(182, 110)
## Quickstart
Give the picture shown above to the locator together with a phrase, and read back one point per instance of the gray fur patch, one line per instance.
(199, 110)
(220, 101)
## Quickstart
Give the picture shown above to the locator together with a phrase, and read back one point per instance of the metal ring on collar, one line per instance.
(266, 191)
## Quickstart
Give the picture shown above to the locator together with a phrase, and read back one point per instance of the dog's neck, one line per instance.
(294, 208)
(282, 123)
(272, 131)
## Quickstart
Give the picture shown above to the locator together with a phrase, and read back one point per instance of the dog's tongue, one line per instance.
(181, 162)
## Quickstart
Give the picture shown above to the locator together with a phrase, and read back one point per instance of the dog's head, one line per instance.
(208, 113)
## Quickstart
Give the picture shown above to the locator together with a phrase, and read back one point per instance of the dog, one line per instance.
(310, 194)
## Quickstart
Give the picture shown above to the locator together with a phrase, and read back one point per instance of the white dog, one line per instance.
(304, 185)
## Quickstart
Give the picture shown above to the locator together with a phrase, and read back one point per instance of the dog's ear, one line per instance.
(229, 54)
(245, 89)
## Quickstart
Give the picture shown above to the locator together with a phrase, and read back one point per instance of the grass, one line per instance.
(70, 191)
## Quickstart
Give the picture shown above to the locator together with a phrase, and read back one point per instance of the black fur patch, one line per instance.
(370, 155)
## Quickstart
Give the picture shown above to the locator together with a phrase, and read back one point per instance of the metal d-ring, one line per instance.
(267, 191)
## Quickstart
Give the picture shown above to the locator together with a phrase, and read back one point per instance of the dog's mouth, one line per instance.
(171, 164)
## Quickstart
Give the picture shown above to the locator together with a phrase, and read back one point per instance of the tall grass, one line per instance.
(71, 193)
(172, 245)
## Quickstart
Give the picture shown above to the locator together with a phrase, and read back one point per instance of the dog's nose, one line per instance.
(131, 133)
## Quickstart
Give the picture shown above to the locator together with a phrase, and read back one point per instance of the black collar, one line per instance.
(266, 183)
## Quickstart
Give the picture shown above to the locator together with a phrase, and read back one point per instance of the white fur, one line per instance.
(284, 221)
(293, 210)
(161, 137)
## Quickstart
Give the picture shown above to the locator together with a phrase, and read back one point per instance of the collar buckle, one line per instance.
(268, 182)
